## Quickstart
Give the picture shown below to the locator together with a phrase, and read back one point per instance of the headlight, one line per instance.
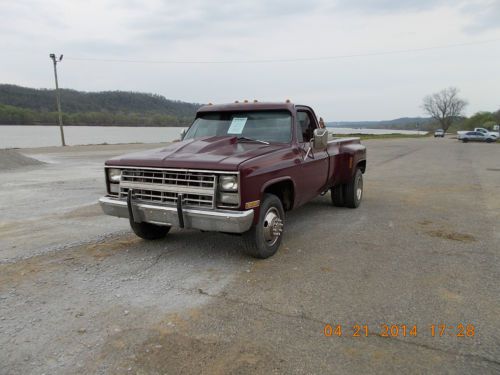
(114, 175)
(228, 182)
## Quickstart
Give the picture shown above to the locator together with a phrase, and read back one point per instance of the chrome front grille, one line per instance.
(198, 189)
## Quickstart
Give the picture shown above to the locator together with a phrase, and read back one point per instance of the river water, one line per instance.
(41, 136)
(16, 136)
(374, 131)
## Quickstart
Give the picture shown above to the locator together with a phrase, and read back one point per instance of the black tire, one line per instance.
(353, 191)
(465, 140)
(149, 231)
(261, 241)
(337, 194)
(489, 140)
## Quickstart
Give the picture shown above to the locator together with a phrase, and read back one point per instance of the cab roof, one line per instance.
(250, 106)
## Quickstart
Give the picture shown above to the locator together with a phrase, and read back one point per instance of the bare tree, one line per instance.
(444, 106)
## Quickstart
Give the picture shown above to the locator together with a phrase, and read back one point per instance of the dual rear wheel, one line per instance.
(350, 194)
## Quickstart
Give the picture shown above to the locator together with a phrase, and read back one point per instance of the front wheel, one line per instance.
(465, 140)
(149, 231)
(353, 191)
(264, 239)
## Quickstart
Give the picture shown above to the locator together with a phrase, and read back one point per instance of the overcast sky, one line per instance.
(376, 87)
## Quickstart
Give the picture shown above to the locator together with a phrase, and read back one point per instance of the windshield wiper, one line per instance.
(252, 140)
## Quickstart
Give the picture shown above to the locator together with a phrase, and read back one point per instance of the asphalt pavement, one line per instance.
(406, 283)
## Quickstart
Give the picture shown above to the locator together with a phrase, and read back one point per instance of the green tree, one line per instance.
(477, 120)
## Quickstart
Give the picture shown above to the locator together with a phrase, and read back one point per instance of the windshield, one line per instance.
(268, 126)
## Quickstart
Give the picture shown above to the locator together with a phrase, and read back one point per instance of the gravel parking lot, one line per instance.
(80, 294)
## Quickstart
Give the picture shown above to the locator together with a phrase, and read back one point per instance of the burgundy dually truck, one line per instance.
(238, 169)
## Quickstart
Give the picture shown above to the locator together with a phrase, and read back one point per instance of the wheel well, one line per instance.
(284, 191)
(362, 165)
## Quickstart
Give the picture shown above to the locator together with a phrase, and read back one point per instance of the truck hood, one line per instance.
(217, 153)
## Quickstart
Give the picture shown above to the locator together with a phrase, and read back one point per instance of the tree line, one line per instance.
(27, 106)
(10, 115)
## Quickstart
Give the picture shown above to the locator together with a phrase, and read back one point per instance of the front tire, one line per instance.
(353, 191)
(264, 239)
(149, 231)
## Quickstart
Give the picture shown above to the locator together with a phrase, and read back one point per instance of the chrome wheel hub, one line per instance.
(359, 189)
(273, 226)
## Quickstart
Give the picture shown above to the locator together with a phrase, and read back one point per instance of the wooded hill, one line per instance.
(27, 106)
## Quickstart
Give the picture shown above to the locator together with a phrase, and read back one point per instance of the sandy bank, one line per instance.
(11, 159)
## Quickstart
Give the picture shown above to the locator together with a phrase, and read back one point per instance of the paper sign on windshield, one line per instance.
(237, 125)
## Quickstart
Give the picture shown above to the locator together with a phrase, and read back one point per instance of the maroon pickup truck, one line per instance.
(238, 169)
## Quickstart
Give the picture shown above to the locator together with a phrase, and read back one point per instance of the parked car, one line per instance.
(439, 133)
(480, 130)
(238, 169)
(486, 132)
(476, 136)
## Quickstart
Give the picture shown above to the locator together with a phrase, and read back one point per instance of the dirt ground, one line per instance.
(80, 294)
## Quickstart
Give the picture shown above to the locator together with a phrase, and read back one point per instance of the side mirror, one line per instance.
(183, 134)
(320, 140)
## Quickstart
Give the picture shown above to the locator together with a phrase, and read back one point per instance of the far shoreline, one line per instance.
(105, 126)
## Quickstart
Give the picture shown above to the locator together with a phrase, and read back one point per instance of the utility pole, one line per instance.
(58, 95)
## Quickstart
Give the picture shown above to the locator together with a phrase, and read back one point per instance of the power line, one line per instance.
(284, 60)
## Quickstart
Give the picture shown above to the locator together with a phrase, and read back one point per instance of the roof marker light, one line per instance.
(255, 101)
(236, 101)
(246, 101)
(288, 101)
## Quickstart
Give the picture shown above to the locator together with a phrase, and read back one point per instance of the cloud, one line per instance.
(485, 16)
(389, 6)
(352, 88)
(179, 20)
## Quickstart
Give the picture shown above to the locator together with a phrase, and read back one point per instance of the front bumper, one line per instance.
(209, 220)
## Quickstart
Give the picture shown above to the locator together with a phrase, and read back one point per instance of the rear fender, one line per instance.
(351, 157)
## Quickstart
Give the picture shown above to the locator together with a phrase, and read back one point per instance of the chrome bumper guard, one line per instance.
(209, 220)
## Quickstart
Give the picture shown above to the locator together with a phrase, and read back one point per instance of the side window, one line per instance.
(300, 137)
(301, 119)
(305, 126)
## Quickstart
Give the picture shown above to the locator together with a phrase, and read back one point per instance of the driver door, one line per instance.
(314, 164)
